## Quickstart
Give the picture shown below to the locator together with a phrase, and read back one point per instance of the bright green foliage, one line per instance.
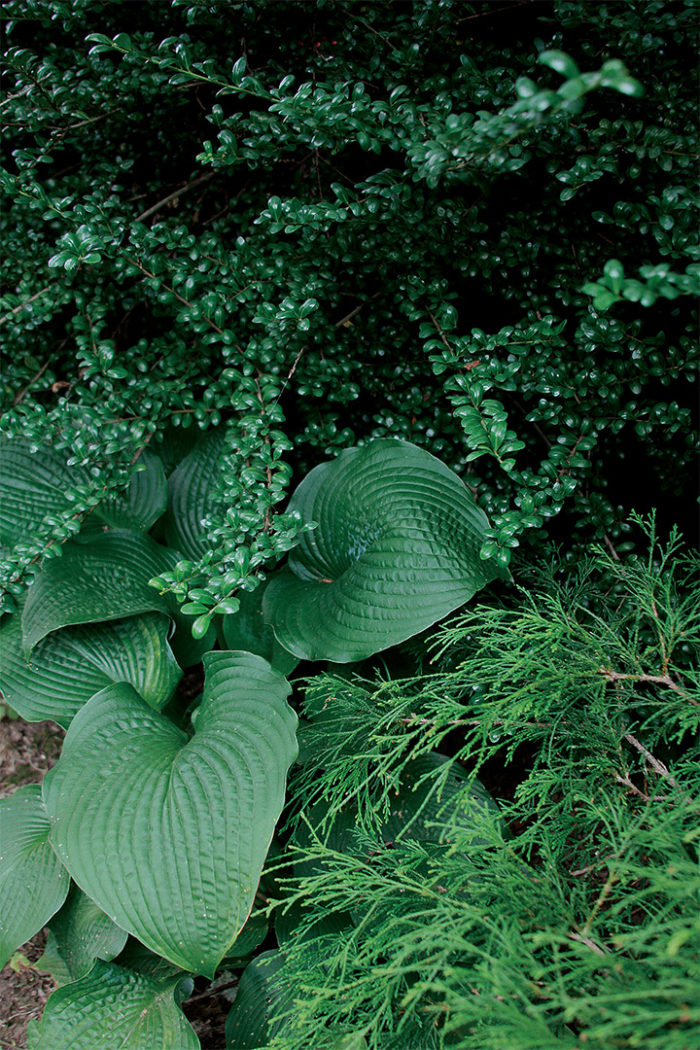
(582, 926)
(168, 835)
(112, 1007)
(33, 882)
(376, 221)
(395, 549)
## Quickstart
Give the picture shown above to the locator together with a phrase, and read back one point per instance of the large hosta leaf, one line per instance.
(33, 882)
(143, 502)
(114, 1008)
(190, 489)
(69, 666)
(103, 579)
(78, 935)
(32, 484)
(396, 548)
(167, 834)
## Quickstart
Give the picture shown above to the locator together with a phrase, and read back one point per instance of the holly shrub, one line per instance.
(322, 318)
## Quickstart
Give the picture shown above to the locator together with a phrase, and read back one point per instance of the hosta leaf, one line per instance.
(396, 548)
(249, 939)
(174, 443)
(69, 666)
(138, 958)
(144, 501)
(190, 488)
(79, 934)
(105, 579)
(33, 882)
(247, 629)
(32, 484)
(167, 834)
(258, 998)
(114, 1008)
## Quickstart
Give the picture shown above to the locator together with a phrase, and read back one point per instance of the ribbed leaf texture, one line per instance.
(105, 579)
(69, 666)
(167, 834)
(114, 1008)
(33, 882)
(78, 935)
(32, 484)
(247, 1025)
(144, 501)
(396, 548)
(190, 489)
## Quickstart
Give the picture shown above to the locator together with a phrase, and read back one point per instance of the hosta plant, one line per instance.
(158, 817)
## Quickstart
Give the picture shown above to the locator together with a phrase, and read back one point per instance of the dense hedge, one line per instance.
(317, 223)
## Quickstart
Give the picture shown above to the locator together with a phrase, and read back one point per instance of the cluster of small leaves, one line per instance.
(579, 924)
(353, 229)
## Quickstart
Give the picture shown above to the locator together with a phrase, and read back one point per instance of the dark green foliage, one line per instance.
(319, 222)
(248, 239)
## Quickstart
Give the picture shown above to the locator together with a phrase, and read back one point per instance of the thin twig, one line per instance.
(26, 302)
(206, 177)
(588, 942)
(655, 679)
(211, 992)
(655, 763)
(627, 782)
(348, 317)
(31, 382)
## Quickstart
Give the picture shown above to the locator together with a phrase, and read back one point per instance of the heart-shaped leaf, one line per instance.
(69, 666)
(33, 882)
(144, 501)
(103, 579)
(167, 834)
(247, 629)
(78, 935)
(190, 489)
(396, 548)
(111, 1008)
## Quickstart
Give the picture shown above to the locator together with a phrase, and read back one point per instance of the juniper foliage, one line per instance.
(570, 914)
